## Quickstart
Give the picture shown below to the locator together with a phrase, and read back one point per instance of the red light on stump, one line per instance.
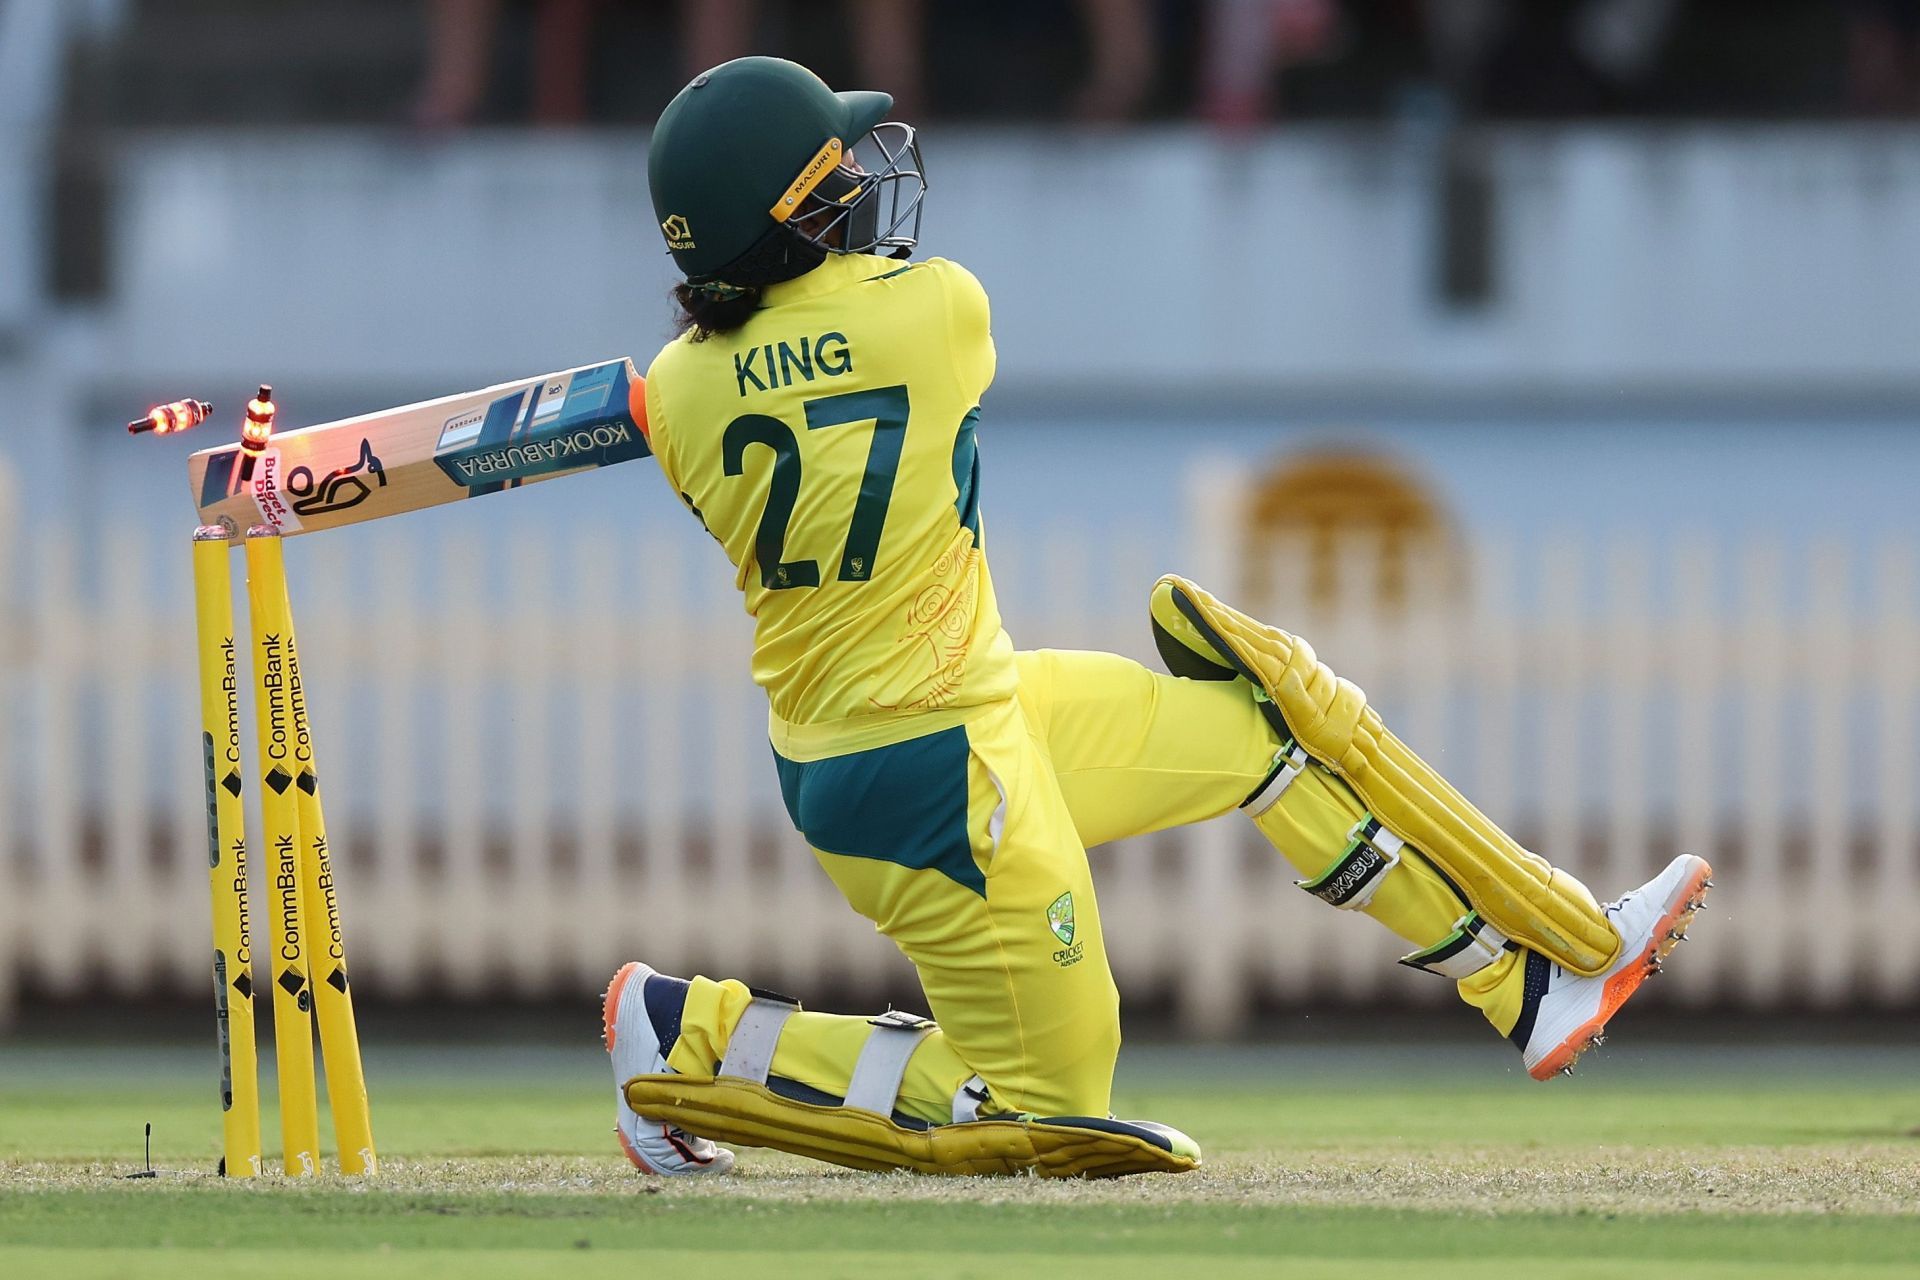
(166, 419)
(256, 431)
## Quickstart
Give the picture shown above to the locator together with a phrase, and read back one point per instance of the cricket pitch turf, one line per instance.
(1340, 1162)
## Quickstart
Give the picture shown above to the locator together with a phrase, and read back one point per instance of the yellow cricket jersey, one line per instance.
(828, 444)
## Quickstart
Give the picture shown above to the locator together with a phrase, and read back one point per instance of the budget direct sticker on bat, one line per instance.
(269, 492)
(541, 429)
(265, 490)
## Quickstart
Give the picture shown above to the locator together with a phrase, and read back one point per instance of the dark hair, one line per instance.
(703, 314)
(781, 254)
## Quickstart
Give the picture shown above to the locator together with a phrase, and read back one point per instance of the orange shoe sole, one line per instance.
(1620, 987)
(609, 1010)
(610, 1003)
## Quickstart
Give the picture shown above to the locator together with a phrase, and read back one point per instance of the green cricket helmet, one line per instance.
(753, 168)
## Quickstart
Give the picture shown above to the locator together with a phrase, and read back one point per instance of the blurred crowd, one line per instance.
(1232, 62)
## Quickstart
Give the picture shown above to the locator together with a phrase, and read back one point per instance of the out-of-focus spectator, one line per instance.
(1546, 57)
(460, 52)
(464, 37)
(1248, 42)
(886, 40)
(1234, 62)
(1883, 54)
(1123, 47)
(1621, 38)
(1462, 34)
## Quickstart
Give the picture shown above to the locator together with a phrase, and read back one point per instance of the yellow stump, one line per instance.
(280, 833)
(333, 1001)
(227, 856)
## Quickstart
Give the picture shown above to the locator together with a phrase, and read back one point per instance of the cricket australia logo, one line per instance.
(1060, 920)
(679, 234)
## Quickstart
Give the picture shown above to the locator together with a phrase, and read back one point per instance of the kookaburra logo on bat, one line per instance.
(341, 489)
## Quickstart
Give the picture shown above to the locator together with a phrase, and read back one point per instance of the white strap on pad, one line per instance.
(1288, 763)
(1472, 946)
(882, 1064)
(1349, 883)
(968, 1098)
(750, 1047)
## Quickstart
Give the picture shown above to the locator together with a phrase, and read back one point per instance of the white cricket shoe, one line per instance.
(1563, 1014)
(635, 1048)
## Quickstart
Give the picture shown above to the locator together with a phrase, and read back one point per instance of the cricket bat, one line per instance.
(426, 454)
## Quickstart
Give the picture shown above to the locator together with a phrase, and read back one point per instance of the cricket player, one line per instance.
(818, 415)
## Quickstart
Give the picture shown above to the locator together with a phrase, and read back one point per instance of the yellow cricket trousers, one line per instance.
(967, 847)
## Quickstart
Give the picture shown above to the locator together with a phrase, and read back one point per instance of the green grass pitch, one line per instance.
(1345, 1162)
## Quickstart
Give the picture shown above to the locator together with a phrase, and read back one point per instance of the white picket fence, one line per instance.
(537, 768)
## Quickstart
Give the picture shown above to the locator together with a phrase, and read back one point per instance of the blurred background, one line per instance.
(1554, 366)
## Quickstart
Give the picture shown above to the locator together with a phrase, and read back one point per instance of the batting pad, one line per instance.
(748, 1114)
(1516, 891)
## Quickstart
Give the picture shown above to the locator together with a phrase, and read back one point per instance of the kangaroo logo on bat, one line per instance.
(343, 488)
